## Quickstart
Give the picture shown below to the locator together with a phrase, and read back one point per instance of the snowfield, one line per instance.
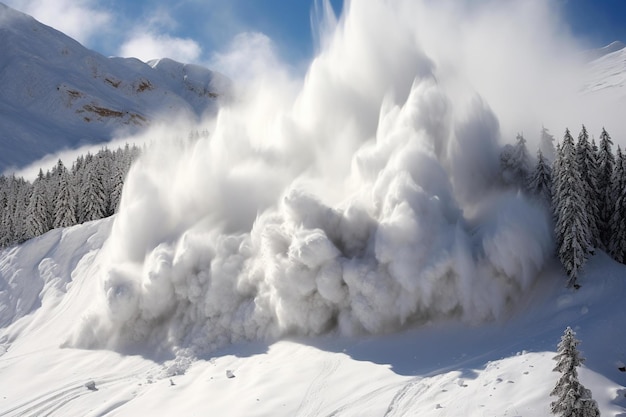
(444, 369)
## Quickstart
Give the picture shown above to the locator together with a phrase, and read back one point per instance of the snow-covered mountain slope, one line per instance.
(606, 75)
(594, 54)
(57, 94)
(446, 369)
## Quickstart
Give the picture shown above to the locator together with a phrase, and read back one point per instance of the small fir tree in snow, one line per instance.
(572, 232)
(606, 201)
(64, 207)
(588, 169)
(37, 215)
(556, 166)
(118, 170)
(540, 182)
(617, 241)
(546, 145)
(573, 399)
(93, 199)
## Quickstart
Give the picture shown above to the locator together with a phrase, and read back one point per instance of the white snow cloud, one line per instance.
(249, 55)
(359, 199)
(146, 45)
(153, 40)
(79, 19)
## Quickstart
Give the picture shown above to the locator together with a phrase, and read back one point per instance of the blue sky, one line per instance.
(193, 30)
(599, 21)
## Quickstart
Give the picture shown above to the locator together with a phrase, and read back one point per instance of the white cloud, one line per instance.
(147, 45)
(248, 55)
(79, 19)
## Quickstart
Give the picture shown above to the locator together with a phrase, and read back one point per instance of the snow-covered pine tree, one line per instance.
(64, 207)
(10, 197)
(606, 202)
(617, 241)
(117, 181)
(588, 169)
(546, 145)
(572, 223)
(77, 178)
(93, 199)
(37, 216)
(104, 169)
(573, 399)
(540, 182)
(556, 165)
(24, 191)
(6, 225)
(6, 238)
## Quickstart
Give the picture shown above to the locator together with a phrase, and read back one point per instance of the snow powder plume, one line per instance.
(362, 199)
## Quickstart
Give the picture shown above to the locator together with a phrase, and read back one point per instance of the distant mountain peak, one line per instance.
(594, 54)
(56, 94)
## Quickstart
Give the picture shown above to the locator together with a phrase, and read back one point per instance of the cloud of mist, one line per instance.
(358, 200)
(153, 40)
(146, 45)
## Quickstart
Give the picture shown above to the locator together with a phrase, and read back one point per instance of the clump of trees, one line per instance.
(91, 189)
(584, 185)
(573, 399)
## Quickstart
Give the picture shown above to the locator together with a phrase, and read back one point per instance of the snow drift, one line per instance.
(363, 199)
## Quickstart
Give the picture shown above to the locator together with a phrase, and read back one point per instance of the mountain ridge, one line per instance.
(58, 94)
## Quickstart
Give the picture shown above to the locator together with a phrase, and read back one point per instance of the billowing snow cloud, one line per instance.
(152, 40)
(147, 45)
(363, 200)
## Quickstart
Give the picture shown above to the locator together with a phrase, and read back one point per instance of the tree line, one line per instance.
(584, 186)
(91, 189)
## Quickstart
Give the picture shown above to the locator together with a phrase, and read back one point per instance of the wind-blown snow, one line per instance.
(363, 202)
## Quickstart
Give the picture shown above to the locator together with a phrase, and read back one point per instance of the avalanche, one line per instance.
(338, 245)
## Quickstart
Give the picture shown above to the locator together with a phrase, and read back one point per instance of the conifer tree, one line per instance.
(117, 184)
(64, 207)
(546, 145)
(104, 169)
(61, 198)
(588, 168)
(540, 182)
(93, 199)
(573, 399)
(556, 165)
(37, 216)
(572, 223)
(24, 191)
(606, 201)
(617, 241)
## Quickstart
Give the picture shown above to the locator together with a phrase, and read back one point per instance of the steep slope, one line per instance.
(57, 94)
(594, 54)
(606, 75)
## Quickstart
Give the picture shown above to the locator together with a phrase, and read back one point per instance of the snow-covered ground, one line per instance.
(445, 369)
(339, 246)
(607, 74)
